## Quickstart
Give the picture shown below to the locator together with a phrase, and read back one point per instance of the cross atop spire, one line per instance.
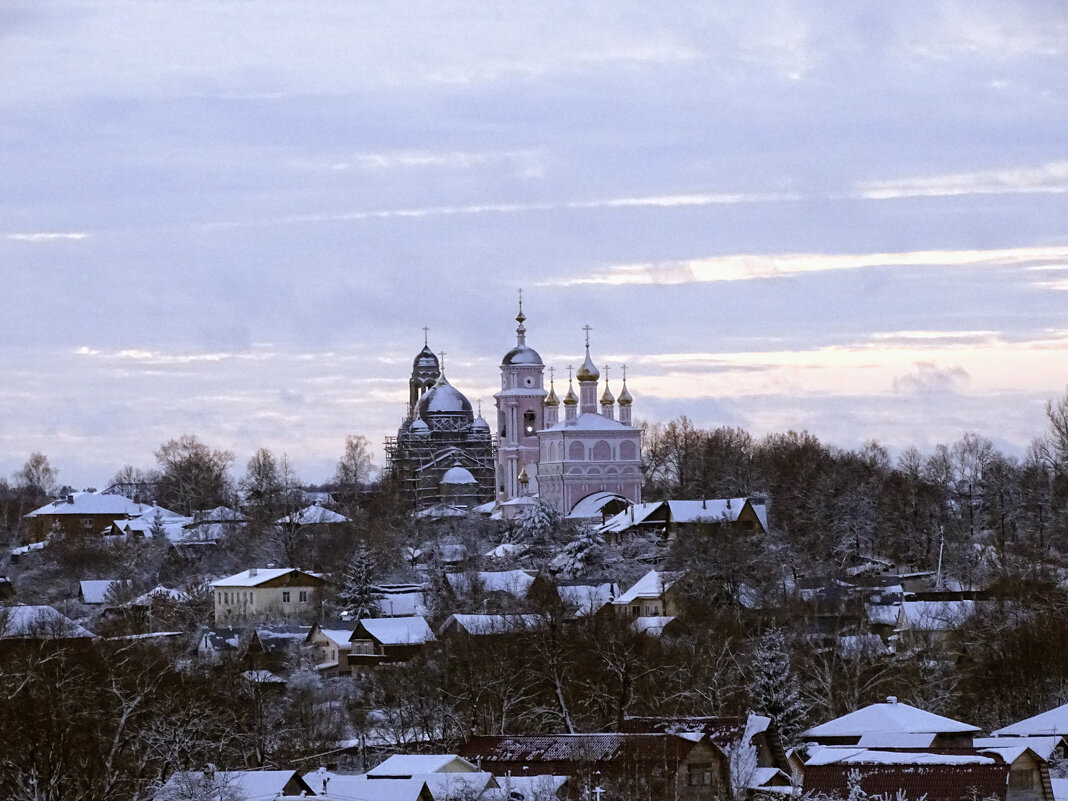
(605, 368)
(442, 358)
(426, 333)
(521, 331)
(624, 372)
(569, 369)
(587, 329)
(552, 372)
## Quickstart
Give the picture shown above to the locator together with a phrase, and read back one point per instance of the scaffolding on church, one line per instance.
(418, 462)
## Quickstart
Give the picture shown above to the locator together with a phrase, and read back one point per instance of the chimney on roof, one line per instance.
(891, 699)
(252, 572)
(70, 498)
(728, 503)
(704, 503)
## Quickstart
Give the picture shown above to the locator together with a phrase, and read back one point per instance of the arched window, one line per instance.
(627, 451)
(529, 424)
(576, 452)
(602, 452)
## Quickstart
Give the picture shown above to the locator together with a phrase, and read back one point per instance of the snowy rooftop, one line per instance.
(93, 503)
(591, 506)
(402, 604)
(395, 630)
(95, 591)
(891, 716)
(587, 598)
(238, 784)
(830, 754)
(1044, 746)
(1051, 722)
(652, 585)
(491, 624)
(936, 615)
(407, 765)
(345, 786)
(159, 593)
(590, 421)
(312, 515)
(253, 577)
(513, 582)
(38, 621)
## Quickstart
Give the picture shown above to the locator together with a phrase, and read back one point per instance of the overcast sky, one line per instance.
(233, 217)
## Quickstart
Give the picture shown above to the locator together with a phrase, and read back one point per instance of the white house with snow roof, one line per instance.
(261, 593)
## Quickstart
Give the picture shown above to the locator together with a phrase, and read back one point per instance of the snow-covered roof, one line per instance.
(507, 550)
(94, 591)
(491, 624)
(513, 582)
(590, 421)
(652, 585)
(530, 788)
(408, 765)
(92, 503)
(882, 614)
(590, 507)
(935, 615)
(262, 677)
(174, 528)
(245, 785)
(340, 637)
(255, 576)
(706, 510)
(402, 604)
(485, 508)
(1051, 722)
(440, 510)
(313, 515)
(395, 630)
(587, 598)
(220, 514)
(896, 739)
(458, 475)
(1043, 745)
(344, 786)
(891, 716)
(651, 625)
(831, 754)
(158, 593)
(634, 515)
(22, 621)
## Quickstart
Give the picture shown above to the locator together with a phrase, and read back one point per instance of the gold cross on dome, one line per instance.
(587, 329)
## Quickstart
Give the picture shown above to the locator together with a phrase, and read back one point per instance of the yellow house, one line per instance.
(263, 593)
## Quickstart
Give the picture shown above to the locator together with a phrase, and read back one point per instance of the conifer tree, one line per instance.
(773, 684)
(359, 593)
(537, 522)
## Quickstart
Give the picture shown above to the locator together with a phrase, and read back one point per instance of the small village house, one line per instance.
(264, 593)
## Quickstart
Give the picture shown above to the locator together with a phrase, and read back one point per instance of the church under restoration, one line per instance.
(444, 454)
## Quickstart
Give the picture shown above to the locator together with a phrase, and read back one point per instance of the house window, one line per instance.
(636, 610)
(285, 596)
(304, 596)
(529, 423)
(700, 774)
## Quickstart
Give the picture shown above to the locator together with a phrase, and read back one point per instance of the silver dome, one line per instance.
(522, 354)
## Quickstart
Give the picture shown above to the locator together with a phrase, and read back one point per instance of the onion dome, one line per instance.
(606, 397)
(480, 428)
(551, 399)
(624, 397)
(570, 399)
(458, 475)
(426, 364)
(444, 406)
(521, 353)
(588, 371)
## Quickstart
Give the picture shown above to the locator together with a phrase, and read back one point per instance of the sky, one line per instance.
(233, 218)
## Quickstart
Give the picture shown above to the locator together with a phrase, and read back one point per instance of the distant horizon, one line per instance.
(847, 219)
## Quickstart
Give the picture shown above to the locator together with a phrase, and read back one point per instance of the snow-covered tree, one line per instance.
(773, 684)
(359, 593)
(157, 529)
(576, 557)
(537, 522)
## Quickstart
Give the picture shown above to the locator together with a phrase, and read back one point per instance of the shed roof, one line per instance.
(891, 716)
(1051, 722)
(394, 630)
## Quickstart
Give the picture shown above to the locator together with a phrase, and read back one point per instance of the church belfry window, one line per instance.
(529, 425)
